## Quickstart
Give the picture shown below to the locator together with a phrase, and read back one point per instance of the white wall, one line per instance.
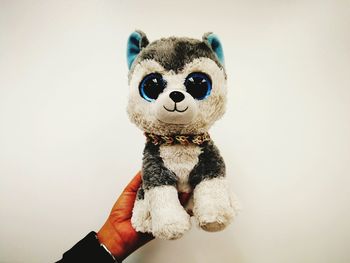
(67, 148)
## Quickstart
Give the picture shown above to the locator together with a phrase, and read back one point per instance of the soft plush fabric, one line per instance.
(177, 92)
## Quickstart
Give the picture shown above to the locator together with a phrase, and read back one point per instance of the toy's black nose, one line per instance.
(176, 96)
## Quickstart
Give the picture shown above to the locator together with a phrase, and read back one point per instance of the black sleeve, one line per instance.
(87, 250)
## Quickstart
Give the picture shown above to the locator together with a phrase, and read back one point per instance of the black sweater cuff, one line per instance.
(87, 250)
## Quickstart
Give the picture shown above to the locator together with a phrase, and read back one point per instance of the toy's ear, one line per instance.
(214, 43)
(137, 40)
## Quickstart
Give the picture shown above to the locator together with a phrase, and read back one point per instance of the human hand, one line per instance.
(117, 234)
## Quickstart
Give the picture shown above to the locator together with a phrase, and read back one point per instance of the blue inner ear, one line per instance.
(133, 47)
(215, 44)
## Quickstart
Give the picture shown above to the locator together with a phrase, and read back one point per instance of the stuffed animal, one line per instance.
(177, 91)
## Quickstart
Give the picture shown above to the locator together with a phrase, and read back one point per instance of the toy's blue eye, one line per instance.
(151, 86)
(198, 85)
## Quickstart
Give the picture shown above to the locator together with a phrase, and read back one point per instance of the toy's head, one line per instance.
(177, 85)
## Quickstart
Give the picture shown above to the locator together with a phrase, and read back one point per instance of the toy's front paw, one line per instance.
(212, 205)
(171, 223)
(141, 217)
(215, 220)
(169, 218)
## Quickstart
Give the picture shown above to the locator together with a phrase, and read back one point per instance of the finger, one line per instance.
(134, 184)
(127, 198)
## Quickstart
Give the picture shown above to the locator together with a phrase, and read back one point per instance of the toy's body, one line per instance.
(177, 91)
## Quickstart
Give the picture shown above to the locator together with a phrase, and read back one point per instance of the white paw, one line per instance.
(141, 217)
(215, 217)
(171, 223)
(169, 218)
(213, 207)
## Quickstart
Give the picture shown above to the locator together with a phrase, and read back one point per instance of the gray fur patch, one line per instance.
(154, 173)
(210, 165)
(174, 53)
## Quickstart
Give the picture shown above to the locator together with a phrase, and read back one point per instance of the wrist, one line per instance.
(112, 241)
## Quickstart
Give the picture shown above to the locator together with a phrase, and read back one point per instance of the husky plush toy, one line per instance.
(177, 91)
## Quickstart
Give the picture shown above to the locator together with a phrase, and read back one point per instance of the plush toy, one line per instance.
(177, 91)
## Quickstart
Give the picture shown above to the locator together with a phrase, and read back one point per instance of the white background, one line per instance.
(67, 148)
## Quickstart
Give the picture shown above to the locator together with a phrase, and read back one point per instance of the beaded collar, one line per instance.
(183, 139)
